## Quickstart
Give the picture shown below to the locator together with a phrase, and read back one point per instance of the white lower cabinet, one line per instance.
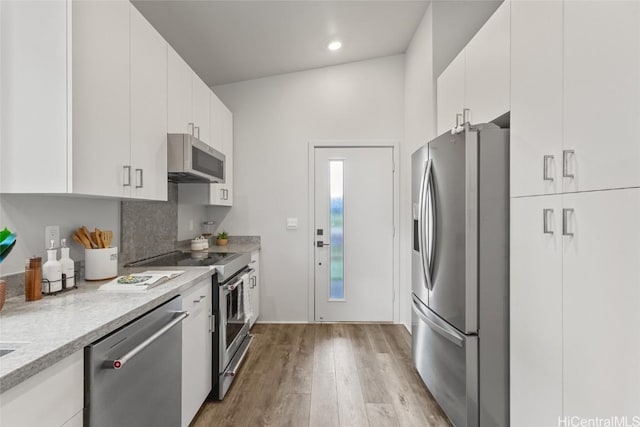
(601, 304)
(196, 349)
(253, 292)
(575, 347)
(53, 397)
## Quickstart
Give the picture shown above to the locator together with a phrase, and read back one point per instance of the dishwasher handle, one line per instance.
(120, 362)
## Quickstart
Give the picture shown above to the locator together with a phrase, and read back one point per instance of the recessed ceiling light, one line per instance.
(335, 45)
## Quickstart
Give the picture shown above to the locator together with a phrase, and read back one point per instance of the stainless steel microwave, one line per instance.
(191, 160)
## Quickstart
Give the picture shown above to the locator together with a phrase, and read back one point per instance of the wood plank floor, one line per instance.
(334, 375)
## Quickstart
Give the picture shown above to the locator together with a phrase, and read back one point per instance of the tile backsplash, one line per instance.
(148, 228)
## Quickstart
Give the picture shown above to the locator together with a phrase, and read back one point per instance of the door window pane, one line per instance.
(336, 229)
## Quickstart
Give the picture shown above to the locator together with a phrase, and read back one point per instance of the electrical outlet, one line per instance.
(51, 232)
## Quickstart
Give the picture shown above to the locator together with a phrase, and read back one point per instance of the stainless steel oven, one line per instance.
(233, 327)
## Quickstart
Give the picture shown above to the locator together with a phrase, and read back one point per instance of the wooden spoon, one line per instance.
(84, 231)
(107, 238)
(100, 238)
(79, 237)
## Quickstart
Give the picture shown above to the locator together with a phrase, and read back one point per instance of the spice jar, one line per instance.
(33, 279)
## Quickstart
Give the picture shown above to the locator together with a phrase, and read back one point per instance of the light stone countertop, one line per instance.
(58, 326)
(235, 247)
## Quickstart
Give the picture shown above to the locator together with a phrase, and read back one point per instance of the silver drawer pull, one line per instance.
(565, 222)
(546, 160)
(546, 213)
(120, 361)
(565, 163)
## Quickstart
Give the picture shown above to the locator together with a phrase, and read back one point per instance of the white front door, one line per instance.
(353, 230)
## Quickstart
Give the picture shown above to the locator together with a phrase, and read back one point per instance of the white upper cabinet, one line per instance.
(536, 97)
(487, 68)
(601, 94)
(188, 100)
(222, 194)
(148, 110)
(478, 78)
(180, 111)
(99, 127)
(201, 115)
(216, 110)
(451, 94)
(100, 102)
(43, 26)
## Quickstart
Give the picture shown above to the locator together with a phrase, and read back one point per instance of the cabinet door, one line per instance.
(148, 109)
(201, 115)
(49, 398)
(216, 108)
(255, 297)
(487, 68)
(34, 106)
(196, 349)
(180, 109)
(100, 103)
(451, 94)
(222, 194)
(600, 298)
(536, 97)
(536, 311)
(602, 94)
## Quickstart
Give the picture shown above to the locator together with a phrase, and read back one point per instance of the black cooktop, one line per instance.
(178, 258)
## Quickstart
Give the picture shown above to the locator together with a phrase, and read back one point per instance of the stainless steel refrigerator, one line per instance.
(460, 273)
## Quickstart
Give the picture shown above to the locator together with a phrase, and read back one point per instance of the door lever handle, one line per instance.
(320, 244)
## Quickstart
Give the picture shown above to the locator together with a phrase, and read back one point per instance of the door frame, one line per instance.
(352, 143)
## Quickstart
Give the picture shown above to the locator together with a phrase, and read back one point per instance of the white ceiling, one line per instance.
(230, 41)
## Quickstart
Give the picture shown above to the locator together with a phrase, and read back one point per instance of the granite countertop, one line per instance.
(235, 247)
(57, 326)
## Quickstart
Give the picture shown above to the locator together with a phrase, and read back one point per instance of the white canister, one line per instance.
(100, 264)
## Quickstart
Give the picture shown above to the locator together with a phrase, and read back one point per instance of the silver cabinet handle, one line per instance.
(198, 132)
(466, 116)
(212, 327)
(546, 213)
(141, 178)
(199, 299)
(127, 175)
(545, 168)
(192, 126)
(565, 163)
(458, 120)
(222, 194)
(120, 361)
(565, 221)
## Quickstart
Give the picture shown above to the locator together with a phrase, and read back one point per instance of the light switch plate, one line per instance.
(292, 223)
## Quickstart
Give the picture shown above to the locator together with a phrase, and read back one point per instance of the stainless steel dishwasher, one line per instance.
(133, 376)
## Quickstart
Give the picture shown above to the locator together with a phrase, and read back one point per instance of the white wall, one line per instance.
(419, 128)
(28, 214)
(274, 119)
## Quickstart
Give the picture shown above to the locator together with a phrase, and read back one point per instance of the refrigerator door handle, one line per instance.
(437, 325)
(424, 186)
(431, 189)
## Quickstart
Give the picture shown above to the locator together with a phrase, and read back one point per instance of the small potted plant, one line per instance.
(222, 239)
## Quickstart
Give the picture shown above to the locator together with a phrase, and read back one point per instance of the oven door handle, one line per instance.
(233, 286)
(236, 367)
(120, 361)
